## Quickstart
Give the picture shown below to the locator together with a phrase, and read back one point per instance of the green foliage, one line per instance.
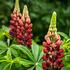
(63, 35)
(33, 56)
(66, 59)
(32, 60)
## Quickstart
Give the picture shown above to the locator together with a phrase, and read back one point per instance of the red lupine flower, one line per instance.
(27, 28)
(44, 57)
(45, 65)
(20, 26)
(52, 47)
(53, 53)
(58, 61)
(16, 24)
(45, 50)
(61, 50)
(61, 65)
(58, 42)
(45, 44)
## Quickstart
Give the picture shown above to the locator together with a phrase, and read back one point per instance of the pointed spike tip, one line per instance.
(52, 27)
(17, 6)
(25, 6)
(54, 13)
(25, 11)
(53, 19)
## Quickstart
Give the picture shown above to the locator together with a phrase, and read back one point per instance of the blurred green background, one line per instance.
(40, 13)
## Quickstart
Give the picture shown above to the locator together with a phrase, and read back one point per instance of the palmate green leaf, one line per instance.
(40, 56)
(25, 50)
(34, 55)
(4, 31)
(66, 46)
(23, 62)
(37, 53)
(65, 68)
(1, 35)
(9, 56)
(3, 60)
(3, 47)
(64, 35)
(14, 52)
(35, 50)
(2, 65)
(31, 68)
(66, 43)
(39, 66)
(5, 66)
(66, 60)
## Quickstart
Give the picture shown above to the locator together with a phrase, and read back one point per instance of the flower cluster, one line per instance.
(20, 26)
(16, 26)
(27, 27)
(52, 51)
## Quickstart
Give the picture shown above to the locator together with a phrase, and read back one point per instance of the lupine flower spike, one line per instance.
(52, 51)
(20, 26)
(27, 38)
(16, 24)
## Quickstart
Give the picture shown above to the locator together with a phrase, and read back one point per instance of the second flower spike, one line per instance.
(27, 38)
(52, 51)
